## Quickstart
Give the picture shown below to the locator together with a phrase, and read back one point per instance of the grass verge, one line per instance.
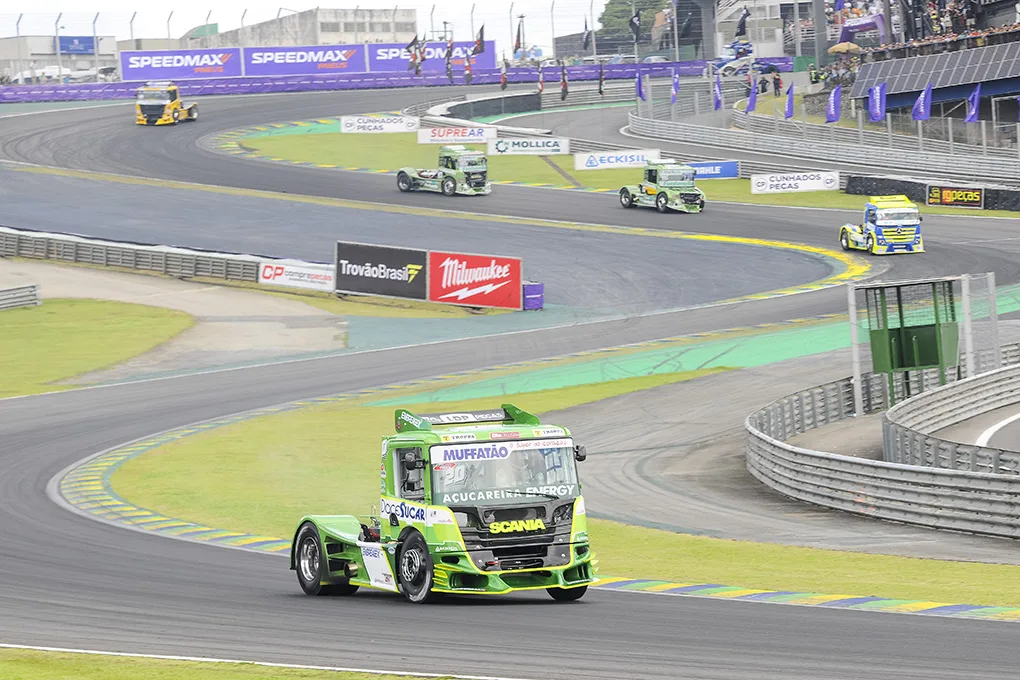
(60, 339)
(262, 475)
(26, 664)
(394, 151)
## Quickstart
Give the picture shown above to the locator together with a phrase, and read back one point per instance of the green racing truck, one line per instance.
(461, 171)
(483, 502)
(667, 186)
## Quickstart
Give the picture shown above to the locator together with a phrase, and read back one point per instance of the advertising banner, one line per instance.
(393, 56)
(794, 181)
(381, 270)
(456, 135)
(629, 158)
(475, 280)
(715, 169)
(224, 62)
(378, 124)
(967, 197)
(545, 146)
(304, 275)
(286, 61)
(77, 44)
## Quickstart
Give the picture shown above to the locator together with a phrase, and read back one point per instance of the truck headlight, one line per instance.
(563, 513)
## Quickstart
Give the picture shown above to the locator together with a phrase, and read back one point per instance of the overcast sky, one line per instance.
(115, 16)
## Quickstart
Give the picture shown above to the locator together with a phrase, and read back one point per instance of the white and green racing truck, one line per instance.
(461, 171)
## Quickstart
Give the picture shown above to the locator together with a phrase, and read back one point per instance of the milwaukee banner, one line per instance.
(381, 270)
(223, 62)
(475, 280)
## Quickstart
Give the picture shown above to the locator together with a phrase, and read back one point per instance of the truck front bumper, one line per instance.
(461, 573)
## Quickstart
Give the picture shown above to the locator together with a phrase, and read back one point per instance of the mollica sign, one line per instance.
(378, 124)
(630, 158)
(286, 61)
(224, 62)
(794, 181)
(475, 280)
(456, 135)
(542, 146)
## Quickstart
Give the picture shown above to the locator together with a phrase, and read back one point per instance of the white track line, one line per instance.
(987, 435)
(202, 659)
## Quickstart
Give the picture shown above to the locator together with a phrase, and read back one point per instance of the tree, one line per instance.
(616, 16)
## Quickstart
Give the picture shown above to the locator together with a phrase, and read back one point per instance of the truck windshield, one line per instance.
(675, 177)
(898, 216)
(475, 163)
(154, 96)
(502, 472)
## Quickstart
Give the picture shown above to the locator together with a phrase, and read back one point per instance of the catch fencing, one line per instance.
(941, 498)
(19, 296)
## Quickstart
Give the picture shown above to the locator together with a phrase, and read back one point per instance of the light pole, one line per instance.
(512, 30)
(676, 34)
(395, 8)
(594, 47)
(552, 23)
(240, 36)
(168, 29)
(60, 62)
(356, 24)
(131, 26)
(280, 22)
(632, 12)
(17, 33)
(432, 22)
(472, 21)
(95, 45)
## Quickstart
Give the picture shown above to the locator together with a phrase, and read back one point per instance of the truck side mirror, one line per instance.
(580, 453)
(412, 462)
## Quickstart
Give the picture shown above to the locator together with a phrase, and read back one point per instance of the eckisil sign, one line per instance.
(967, 197)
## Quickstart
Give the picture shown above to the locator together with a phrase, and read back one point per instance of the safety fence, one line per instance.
(978, 169)
(956, 499)
(910, 430)
(19, 296)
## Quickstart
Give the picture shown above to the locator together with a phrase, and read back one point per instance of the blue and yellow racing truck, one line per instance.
(892, 224)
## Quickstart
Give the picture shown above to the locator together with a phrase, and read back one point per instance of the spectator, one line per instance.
(777, 84)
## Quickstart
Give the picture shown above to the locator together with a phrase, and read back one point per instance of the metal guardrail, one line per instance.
(171, 261)
(960, 500)
(909, 429)
(946, 167)
(19, 296)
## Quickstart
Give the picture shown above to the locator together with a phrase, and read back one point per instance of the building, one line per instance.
(319, 27)
(35, 57)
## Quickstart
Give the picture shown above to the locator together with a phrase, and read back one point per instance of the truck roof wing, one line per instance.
(406, 421)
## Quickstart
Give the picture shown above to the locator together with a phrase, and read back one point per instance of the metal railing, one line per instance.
(19, 296)
(945, 167)
(956, 499)
(909, 430)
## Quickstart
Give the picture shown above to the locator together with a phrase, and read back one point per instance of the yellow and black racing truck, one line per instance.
(159, 103)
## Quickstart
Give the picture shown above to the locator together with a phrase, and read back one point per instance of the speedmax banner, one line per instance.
(381, 270)
(224, 62)
(280, 61)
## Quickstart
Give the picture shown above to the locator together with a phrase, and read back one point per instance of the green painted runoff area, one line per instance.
(262, 475)
(321, 143)
(60, 339)
(26, 664)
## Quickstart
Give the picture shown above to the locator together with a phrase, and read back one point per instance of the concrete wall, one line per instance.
(37, 51)
(321, 27)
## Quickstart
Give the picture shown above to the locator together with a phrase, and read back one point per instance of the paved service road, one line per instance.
(998, 429)
(69, 581)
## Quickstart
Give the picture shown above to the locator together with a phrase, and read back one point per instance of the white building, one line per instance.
(320, 27)
(34, 57)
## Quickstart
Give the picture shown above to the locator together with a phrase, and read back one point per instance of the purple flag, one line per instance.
(832, 111)
(676, 87)
(840, 4)
(639, 87)
(876, 103)
(752, 99)
(922, 107)
(973, 105)
(717, 94)
(789, 102)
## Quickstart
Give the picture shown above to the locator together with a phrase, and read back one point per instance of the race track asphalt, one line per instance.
(68, 581)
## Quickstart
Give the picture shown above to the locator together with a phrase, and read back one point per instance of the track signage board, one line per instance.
(378, 124)
(967, 197)
(223, 62)
(475, 280)
(455, 135)
(393, 56)
(77, 44)
(627, 158)
(715, 169)
(294, 275)
(381, 270)
(287, 61)
(784, 183)
(539, 146)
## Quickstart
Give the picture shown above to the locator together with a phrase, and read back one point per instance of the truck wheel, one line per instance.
(662, 202)
(870, 244)
(193, 113)
(309, 565)
(449, 186)
(414, 570)
(844, 240)
(403, 182)
(567, 594)
(701, 205)
(176, 115)
(626, 200)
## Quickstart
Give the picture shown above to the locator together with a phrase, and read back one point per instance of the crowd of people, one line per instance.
(842, 71)
(950, 40)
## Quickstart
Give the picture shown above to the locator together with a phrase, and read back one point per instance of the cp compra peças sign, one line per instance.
(381, 270)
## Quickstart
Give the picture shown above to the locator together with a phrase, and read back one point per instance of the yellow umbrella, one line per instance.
(845, 48)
